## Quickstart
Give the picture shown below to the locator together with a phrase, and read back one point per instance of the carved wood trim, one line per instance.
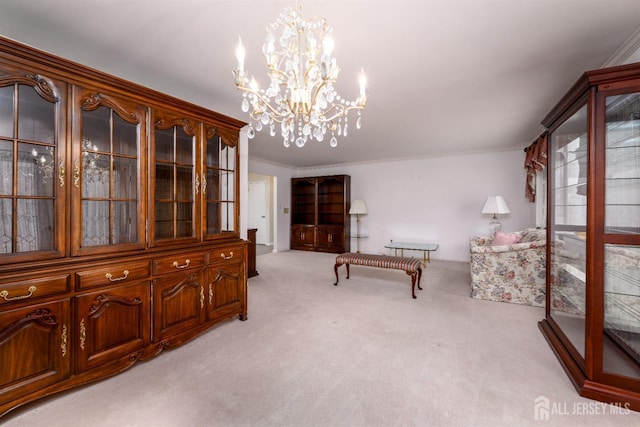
(191, 282)
(102, 303)
(187, 125)
(229, 137)
(42, 316)
(42, 85)
(222, 274)
(92, 101)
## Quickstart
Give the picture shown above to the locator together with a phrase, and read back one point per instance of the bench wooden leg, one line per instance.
(413, 285)
(335, 269)
(419, 277)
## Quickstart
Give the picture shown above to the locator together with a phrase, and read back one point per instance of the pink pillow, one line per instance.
(505, 239)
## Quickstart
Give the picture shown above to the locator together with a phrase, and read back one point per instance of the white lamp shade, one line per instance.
(495, 205)
(358, 207)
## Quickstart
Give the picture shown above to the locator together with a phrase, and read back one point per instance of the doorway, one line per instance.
(260, 210)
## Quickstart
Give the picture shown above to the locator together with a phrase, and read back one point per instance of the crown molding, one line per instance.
(624, 52)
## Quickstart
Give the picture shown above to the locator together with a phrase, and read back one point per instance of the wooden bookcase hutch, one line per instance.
(592, 319)
(118, 224)
(320, 213)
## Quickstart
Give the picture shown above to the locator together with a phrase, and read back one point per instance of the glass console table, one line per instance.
(426, 248)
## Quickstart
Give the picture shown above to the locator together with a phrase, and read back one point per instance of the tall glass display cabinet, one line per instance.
(119, 234)
(592, 318)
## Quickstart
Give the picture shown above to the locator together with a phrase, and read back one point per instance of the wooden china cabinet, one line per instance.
(320, 213)
(592, 319)
(118, 224)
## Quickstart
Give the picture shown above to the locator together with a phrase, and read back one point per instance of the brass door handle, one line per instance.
(61, 172)
(83, 333)
(63, 338)
(222, 255)
(204, 183)
(76, 173)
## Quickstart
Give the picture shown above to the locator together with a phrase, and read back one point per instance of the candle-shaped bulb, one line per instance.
(240, 55)
(363, 84)
(327, 45)
(253, 84)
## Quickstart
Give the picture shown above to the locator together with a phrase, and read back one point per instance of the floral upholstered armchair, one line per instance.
(509, 267)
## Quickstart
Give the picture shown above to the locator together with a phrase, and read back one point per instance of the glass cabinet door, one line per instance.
(174, 208)
(107, 175)
(568, 225)
(32, 180)
(621, 319)
(219, 185)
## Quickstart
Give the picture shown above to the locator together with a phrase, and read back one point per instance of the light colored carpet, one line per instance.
(263, 249)
(363, 353)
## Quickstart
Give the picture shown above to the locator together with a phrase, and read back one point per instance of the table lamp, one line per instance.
(497, 206)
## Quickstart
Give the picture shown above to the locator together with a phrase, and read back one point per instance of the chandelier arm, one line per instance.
(280, 76)
(314, 100)
(261, 99)
(343, 111)
(339, 112)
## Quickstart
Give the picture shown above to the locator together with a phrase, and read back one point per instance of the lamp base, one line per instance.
(494, 226)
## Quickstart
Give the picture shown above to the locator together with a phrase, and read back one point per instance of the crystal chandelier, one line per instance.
(300, 99)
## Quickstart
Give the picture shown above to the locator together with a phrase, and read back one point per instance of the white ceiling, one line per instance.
(444, 76)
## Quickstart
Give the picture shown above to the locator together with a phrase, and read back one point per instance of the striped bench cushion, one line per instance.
(410, 265)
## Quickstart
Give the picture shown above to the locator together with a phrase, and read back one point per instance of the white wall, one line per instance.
(433, 199)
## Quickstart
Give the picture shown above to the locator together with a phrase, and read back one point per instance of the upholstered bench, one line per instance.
(412, 266)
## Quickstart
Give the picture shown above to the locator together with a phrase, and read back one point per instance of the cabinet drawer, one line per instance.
(33, 288)
(174, 263)
(229, 253)
(121, 272)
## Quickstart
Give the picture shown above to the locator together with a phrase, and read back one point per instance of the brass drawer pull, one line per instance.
(112, 279)
(222, 255)
(185, 265)
(5, 294)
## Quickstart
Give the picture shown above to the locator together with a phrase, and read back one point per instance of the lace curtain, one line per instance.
(34, 217)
